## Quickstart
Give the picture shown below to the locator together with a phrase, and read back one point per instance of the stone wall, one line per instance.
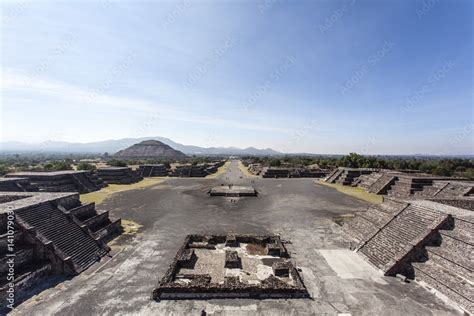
(59, 181)
(118, 175)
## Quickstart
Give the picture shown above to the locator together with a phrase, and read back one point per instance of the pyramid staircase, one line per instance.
(421, 242)
(365, 181)
(146, 171)
(70, 243)
(84, 183)
(334, 175)
(382, 184)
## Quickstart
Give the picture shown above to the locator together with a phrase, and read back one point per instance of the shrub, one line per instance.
(117, 163)
(85, 166)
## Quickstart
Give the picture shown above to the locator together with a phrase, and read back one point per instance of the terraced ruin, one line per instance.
(195, 171)
(118, 175)
(53, 234)
(422, 240)
(62, 181)
(158, 170)
(16, 185)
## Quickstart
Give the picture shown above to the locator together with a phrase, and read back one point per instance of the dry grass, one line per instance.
(341, 219)
(99, 196)
(356, 192)
(222, 169)
(130, 227)
(245, 171)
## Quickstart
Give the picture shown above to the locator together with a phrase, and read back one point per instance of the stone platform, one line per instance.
(16, 185)
(118, 175)
(251, 266)
(158, 170)
(61, 181)
(233, 191)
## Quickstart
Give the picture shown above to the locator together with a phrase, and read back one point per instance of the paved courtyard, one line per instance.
(296, 209)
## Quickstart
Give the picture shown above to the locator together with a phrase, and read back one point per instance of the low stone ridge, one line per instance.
(447, 189)
(465, 202)
(53, 233)
(412, 184)
(232, 191)
(16, 185)
(223, 272)
(118, 175)
(195, 171)
(150, 149)
(60, 181)
(158, 170)
(278, 172)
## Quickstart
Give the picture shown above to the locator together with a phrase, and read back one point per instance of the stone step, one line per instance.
(441, 275)
(456, 251)
(65, 234)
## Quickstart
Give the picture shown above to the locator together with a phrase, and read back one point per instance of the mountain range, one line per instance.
(114, 145)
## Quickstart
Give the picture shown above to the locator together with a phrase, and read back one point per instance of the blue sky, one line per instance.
(373, 77)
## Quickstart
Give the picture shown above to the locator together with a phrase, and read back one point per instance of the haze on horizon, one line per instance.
(373, 77)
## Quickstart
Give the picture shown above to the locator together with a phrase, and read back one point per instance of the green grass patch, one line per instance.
(99, 196)
(356, 192)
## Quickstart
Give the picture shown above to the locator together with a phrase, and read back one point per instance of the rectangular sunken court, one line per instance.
(233, 191)
(232, 266)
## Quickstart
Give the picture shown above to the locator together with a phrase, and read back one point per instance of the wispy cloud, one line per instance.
(72, 96)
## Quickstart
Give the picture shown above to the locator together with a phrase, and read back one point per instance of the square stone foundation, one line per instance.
(207, 267)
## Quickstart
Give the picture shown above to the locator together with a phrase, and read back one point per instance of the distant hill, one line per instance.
(150, 149)
(115, 145)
